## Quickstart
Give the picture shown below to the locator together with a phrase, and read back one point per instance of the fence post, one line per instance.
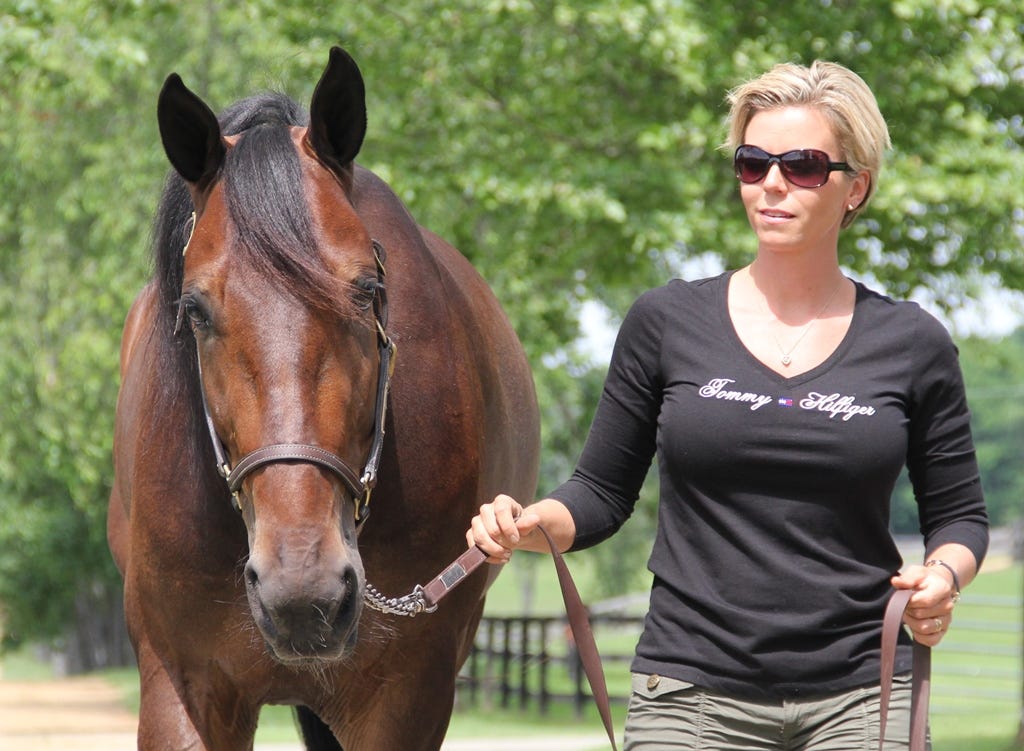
(1018, 742)
(506, 655)
(474, 676)
(545, 693)
(524, 663)
(488, 685)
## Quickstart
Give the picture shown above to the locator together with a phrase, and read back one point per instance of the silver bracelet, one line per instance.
(952, 572)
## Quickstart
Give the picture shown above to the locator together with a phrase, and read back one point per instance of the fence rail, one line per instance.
(980, 660)
(526, 662)
(520, 662)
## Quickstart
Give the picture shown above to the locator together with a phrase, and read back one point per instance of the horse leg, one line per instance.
(163, 721)
(172, 720)
(316, 734)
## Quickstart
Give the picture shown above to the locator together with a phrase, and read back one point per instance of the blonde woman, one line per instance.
(782, 400)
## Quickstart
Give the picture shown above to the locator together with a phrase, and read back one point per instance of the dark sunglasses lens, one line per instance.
(750, 164)
(807, 168)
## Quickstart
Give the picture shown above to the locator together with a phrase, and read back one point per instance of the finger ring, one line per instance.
(938, 625)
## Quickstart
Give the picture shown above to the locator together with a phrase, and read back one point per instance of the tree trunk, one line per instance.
(98, 637)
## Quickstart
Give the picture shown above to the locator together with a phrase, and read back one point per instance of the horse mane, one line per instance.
(266, 200)
(273, 230)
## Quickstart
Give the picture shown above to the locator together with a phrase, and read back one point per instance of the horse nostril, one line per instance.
(349, 579)
(252, 578)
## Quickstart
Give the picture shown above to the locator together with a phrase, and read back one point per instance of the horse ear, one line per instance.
(190, 133)
(337, 114)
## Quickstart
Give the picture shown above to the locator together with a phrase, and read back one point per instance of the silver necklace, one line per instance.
(787, 356)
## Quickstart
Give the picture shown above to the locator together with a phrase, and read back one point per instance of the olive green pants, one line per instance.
(670, 715)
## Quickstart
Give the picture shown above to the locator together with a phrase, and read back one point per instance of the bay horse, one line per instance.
(304, 354)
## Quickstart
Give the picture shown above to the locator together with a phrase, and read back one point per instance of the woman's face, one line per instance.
(786, 217)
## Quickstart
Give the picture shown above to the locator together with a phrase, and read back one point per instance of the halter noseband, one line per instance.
(359, 487)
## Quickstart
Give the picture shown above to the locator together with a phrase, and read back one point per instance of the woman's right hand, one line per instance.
(501, 527)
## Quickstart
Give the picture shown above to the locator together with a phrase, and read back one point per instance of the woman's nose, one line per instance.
(774, 179)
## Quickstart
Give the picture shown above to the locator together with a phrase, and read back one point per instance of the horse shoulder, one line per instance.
(138, 320)
(131, 396)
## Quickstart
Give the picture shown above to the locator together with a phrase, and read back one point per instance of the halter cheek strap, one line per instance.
(359, 486)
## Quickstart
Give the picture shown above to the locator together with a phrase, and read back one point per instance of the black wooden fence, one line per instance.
(525, 662)
(530, 662)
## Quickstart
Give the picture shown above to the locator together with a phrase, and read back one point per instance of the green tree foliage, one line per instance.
(72, 223)
(994, 372)
(569, 149)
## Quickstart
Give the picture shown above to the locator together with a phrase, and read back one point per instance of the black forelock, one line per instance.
(261, 109)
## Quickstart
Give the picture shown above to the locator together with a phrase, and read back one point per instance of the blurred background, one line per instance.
(569, 149)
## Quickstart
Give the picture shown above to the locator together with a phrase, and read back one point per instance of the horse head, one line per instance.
(282, 291)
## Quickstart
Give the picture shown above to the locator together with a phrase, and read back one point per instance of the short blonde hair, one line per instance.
(838, 93)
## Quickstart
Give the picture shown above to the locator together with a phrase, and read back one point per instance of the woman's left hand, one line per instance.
(930, 610)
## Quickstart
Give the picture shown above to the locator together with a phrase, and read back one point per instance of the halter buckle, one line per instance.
(362, 508)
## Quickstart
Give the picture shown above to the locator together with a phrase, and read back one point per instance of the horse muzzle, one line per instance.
(306, 613)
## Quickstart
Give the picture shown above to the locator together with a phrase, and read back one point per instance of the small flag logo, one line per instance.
(785, 401)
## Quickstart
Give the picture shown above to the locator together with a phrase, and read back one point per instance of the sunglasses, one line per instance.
(806, 168)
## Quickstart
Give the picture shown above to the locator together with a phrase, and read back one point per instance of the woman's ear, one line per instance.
(860, 187)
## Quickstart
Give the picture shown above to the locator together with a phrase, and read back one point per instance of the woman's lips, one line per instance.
(774, 215)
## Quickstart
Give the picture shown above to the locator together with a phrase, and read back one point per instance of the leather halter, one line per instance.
(423, 599)
(359, 486)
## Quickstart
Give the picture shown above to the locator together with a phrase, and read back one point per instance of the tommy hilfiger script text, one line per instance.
(835, 405)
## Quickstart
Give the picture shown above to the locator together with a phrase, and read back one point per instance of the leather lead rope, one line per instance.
(921, 681)
(575, 610)
(579, 623)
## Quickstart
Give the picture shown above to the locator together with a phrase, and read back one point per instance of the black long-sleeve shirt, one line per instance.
(773, 553)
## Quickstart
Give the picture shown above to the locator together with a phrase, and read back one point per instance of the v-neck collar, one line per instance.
(808, 375)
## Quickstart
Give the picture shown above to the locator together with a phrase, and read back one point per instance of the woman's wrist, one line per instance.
(952, 572)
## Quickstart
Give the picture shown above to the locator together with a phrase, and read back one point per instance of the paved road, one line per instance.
(85, 714)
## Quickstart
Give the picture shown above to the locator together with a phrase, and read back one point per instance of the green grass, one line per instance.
(24, 665)
(976, 685)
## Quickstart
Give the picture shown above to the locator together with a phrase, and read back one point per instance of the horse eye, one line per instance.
(197, 318)
(365, 290)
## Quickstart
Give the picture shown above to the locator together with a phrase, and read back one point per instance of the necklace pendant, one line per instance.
(786, 360)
